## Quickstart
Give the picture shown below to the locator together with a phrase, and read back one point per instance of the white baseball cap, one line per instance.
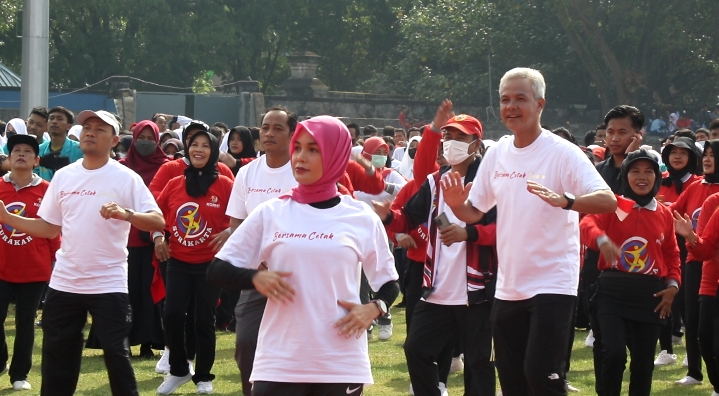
(107, 117)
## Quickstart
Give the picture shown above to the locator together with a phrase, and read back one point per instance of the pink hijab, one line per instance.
(334, 141)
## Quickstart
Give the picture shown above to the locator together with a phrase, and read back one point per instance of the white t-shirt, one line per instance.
(323, 249)
(450, 277)
(399, 153)
(392, 177)
(93, 257)
(256, 183)
(537, 244)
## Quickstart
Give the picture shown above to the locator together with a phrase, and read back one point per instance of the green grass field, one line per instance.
(388, 366)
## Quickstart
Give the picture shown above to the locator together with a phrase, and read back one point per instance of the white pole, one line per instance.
(35, 55)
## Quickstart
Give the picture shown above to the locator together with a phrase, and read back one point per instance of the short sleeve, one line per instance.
(377, 260)
(50, 210)
(481, 195)
(584, 177)
(243, 248)
(142, 199)
(237, 206)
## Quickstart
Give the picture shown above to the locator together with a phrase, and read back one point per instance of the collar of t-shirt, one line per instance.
(652, 205)
(34, 182)
(330, 203)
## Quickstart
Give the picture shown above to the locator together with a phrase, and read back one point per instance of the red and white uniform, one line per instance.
(24, 258)
(172, 169)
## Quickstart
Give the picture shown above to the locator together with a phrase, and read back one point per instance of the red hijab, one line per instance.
(371, 146)
(335, 143)
(146, 167)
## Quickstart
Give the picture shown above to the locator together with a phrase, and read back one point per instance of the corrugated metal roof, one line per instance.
(8, 79)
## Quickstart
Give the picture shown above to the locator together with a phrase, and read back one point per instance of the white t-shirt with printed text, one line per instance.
(537, 244)
(93, 256)
(256, 183)
(325, 249)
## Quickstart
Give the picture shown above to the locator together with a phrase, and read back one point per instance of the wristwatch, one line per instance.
(382, 306)
(570, 200)
(130, 215)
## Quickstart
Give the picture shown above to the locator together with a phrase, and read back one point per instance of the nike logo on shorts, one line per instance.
(351, 391)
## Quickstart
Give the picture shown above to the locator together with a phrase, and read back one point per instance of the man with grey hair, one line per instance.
(532, 177)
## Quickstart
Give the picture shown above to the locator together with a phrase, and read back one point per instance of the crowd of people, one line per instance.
(174, 229)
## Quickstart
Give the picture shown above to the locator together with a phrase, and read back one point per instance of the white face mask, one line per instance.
(379, 161)
(455, 152)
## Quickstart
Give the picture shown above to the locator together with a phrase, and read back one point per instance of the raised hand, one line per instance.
(454, 192)
(444, 113)
(683, 224)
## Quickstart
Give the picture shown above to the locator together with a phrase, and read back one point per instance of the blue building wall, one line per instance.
(76, 102)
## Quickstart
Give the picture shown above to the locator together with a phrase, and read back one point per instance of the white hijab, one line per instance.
(75, 131)
(406, 168)
(18, 125)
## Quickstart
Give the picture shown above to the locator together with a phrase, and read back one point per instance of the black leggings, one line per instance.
(708, 345)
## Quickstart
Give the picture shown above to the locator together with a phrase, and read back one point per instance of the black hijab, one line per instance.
(712, 177)
(248, 149)
(634, 156)
(194, 124)
(199, 180)
(676, 175)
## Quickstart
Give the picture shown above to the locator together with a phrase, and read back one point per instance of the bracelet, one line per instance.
(131, 214)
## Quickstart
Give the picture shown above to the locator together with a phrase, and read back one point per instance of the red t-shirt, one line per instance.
(193, 222)
(690, 202)
(706, 246)
(24, 258)
(668, 194)
(172, 169)
(646, 241)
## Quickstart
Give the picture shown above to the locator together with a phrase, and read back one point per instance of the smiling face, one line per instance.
(307, 166)
(23, 157)
(200, 151)
(519, 108)
(641, 177)
(678, 158)
(97, 137)
(708, 160)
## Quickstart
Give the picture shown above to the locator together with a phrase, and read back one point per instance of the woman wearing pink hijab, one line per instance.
(313, 243)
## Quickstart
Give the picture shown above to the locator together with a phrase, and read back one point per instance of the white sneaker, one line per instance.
(457, 365)
(665, 359)
(569, 388)
(204, 388)
(676, 340)
(443, 389)
(385, 332)
(590, 340)
(163, 365)
(171, 383)
(21, 385)
(190, 367)
(688, 381)
(715, 394)
(685, 362)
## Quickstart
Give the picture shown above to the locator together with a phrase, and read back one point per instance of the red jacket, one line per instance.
(646, 241)
(356, 179)
(193, 222)
(172, 169)
(24, 258)
(706, 246)
(690, 202)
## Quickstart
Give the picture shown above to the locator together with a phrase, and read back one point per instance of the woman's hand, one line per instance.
(683, 225)
(382, 209)
(665, 306)
(218, 241)
(162, 250)
(610, 251)
(272, 285)
(358, 319)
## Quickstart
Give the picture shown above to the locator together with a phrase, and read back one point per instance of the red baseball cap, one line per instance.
(466, 124)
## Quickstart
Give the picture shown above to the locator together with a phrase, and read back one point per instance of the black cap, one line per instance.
(23, 139)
